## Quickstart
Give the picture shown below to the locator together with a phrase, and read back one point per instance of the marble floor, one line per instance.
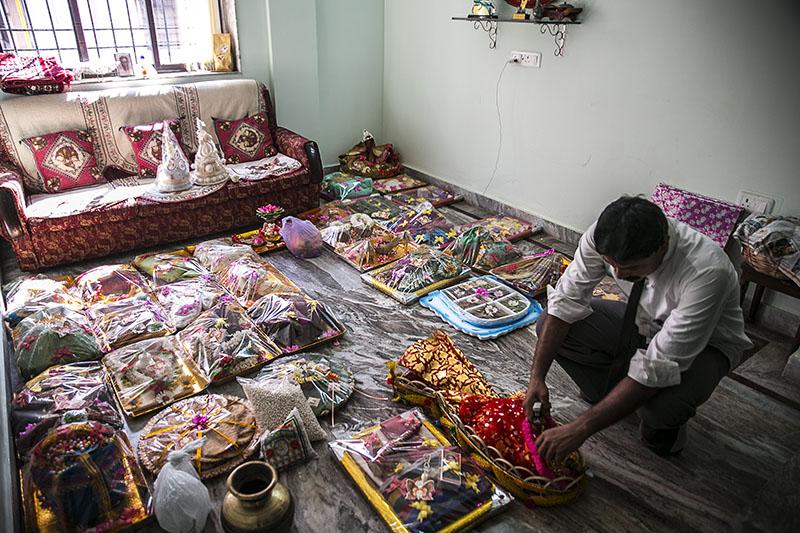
(740, 470)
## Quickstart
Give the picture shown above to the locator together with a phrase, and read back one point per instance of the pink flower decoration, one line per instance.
(200, 421)
(483, 293)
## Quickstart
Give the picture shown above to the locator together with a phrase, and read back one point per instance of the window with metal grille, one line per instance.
(166, 33)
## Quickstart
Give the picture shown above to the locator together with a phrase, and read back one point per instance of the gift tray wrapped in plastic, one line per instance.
(226, 422)
(122, 322)
(380, 208)
(401, 182)
(421, 271)
(225, 342)
(109, 283)
(185, 300)
(52, 336)
(353, 229)
(83, 476)
(415, 479)
(532, 274)
(507, 227)
(482, 250)
(340, 186)
(375, 251)
(436, 196)
(61, 394)
(251, 278)
(164, 268)
(218, 254)
(150, 374)
(294, 321)
(424, 225)
(26, 296)
(324, 215)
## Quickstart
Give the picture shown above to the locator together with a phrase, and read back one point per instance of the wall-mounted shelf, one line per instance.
(556, 28)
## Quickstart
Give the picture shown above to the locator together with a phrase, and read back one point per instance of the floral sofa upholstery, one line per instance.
(45, 231)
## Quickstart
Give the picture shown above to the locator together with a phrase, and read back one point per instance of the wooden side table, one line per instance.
(763, 282)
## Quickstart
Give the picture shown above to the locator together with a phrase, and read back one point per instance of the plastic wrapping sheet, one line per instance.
(84, 477)
(340, 186)
(324, 215)
(507, 227)
(380, 208)
(293, 321)
(421, 271)
(415, 479)
(122, 322)
(484, 301)
(326, 383)
(110, 283)
(227, 423)
(436, 196)
(401, 182)
(224, 342)
(165, 268)
(374, 251)
(480, 249)
(355, 228)
(249, 279)
(185, 300)
(424, 225)
(217, 255)
(152, 373)
(26, 296)
(61, 394)
(54, 335)
(533, 273)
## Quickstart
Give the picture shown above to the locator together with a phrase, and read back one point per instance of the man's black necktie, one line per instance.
(629, 321)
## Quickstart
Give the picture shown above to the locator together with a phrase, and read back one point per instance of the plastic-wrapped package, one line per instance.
(123, 322)
(302, 238)
(164, 268)
(370, 159)
(61, 394)
(339, 186)
(180, 499)
(248, 279)
(355, 228)
(507, 227)
(326, 383)
(227, 423)
(292, 321)
(83, 476)
(152, 373)
(225, 342)
(54, 335)
(478, 248)
(326, 214)
(376, 206)
(424, 225)
(415, 479)
(436, 196)
(29, 295)
(533, 273)
(110, 283)
(401, 182)
(273, 400)
(418, 273)
(217, 255)
(288, 444)
(185, 300)
(374, 251)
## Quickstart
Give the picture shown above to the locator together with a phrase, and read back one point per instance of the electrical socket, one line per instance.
(755, 203)
(527, 59)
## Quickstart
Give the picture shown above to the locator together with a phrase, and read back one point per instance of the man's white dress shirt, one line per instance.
(689, 302)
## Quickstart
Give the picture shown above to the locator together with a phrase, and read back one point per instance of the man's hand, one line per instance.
(537, 392)
(555, 444)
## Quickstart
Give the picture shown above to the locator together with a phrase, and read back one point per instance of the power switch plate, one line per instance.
(755, 203)
(527, 59)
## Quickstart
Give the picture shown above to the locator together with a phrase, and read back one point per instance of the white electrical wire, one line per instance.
(499, 123)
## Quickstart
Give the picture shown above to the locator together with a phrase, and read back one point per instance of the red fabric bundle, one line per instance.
(32, 75)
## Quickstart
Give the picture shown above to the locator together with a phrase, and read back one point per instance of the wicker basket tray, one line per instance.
(761, 262)
(413, 392)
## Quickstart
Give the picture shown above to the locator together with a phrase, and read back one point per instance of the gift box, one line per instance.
(226, 422)
(110, 283)
(249, 279)
(507, 227)
(185, 300)
(61, 394)
(52, 336)
(340, 186)
(482, 250)
(415, 479)
(84, 477)
(532, 274)
(122, 322)
(29, 295)
(374, 251)
(150, 374)
(225, 342)
(418, 273)
(217, 255)
(432, 194)
(165, 268)
(401, 182)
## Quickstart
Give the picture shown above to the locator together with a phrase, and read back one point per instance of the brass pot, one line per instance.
(256, 500)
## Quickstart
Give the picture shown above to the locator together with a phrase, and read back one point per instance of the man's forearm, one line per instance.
(623, 400)
(554, 331)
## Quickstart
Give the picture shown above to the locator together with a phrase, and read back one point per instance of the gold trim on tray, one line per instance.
(369, 278)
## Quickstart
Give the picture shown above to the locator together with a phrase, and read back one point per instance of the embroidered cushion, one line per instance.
(288, 444)
(146, 142)
(246, 139)
(65, 160)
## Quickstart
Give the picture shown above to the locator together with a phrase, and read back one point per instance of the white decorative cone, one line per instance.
(173, 172)
(209, 167)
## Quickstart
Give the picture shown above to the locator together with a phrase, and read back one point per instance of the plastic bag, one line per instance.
(338, 185)
(185, 300)
(374, 251)
(217, 255)
(248, 279)
(110, 283)
(302, 238)
(274, 399)
(180, 499)
(123, 322)
(292, 321)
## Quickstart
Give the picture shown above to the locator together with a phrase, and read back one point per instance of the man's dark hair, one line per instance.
(629, 229)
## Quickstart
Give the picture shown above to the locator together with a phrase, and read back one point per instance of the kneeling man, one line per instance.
(661, 354)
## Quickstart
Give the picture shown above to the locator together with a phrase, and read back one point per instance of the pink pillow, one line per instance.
(65, 160)
(146, 142)
(246, 139)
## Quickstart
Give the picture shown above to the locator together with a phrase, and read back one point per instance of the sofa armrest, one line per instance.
(12, 202)
(298, 147)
